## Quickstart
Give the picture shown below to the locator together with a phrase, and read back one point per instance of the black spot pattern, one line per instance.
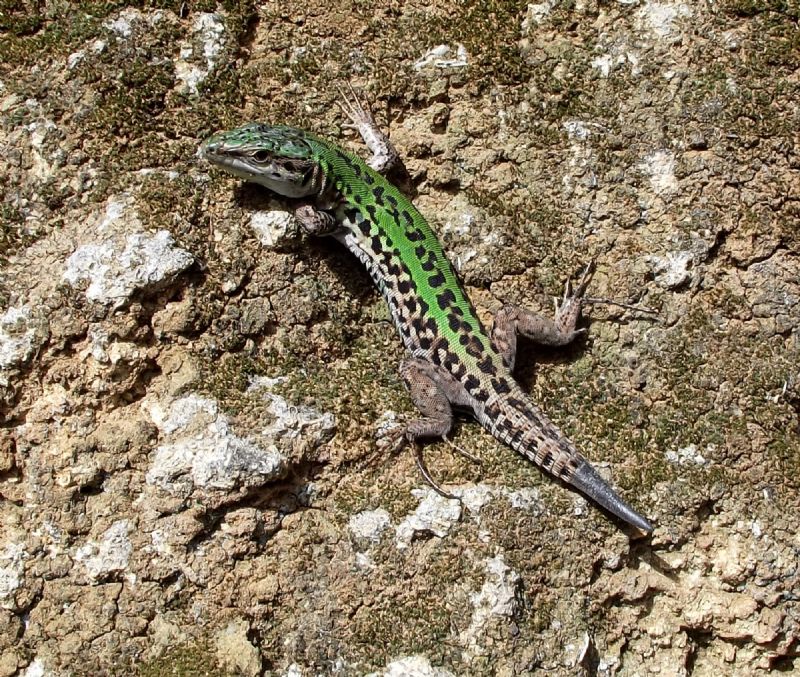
(446, 298)
(474, 347)
(436, 280)
(454, 322)
(487, 366)
(518, 404)
(471, 383)
(393, 267)
(501, 386)
(363, 225)
(516, 437)
(481, 395)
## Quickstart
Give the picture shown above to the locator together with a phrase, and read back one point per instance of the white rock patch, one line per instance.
(202, 451)
(35, 668)
(199, 57)
(618, 55)
(411, 666)
(129, 17)
(108, 555)
(274, 227)
(12, 567)
(536, 14)
(688, 455)
(369, 524)
(443, 56)
(660, 168)
(496, 599)
(672, 270)
(117, 267)
(292, 421)
(19, 336)
(435, 514)
(659, 17)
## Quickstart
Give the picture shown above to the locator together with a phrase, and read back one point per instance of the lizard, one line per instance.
(454, 361)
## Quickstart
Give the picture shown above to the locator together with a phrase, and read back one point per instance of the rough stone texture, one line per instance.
(190, 392)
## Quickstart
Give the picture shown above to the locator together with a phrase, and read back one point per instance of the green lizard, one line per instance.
(455, 361)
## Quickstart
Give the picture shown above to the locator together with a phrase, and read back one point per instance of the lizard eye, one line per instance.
(261, 155)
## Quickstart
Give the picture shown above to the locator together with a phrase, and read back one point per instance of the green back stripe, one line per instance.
(396, 230)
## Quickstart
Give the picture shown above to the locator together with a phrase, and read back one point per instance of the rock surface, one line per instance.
(190, 391)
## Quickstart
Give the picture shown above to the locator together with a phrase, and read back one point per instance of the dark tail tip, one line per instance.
(588, 482)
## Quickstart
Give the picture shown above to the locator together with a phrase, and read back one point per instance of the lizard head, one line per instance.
(278, 157)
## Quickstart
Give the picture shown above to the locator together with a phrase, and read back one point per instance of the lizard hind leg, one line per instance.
(511, 320)
(433, 392)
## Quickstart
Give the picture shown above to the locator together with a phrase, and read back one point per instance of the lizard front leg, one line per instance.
(385, 158)
(315, 221)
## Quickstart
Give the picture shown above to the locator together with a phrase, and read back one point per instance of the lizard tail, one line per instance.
(586, 480)
(542, 443)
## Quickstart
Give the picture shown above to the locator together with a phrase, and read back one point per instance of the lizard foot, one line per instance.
(385, 159)
(568, 311)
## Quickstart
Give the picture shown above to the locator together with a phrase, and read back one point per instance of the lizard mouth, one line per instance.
(212, 152)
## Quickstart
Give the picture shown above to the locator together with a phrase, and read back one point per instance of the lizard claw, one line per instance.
(581, 291)
(395, 438)
(351, 106)
(568, 311)
(462, 451)
(384, 155)
(586, 278)
(424, 470)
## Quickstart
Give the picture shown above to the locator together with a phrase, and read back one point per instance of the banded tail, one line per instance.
(524, 427)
